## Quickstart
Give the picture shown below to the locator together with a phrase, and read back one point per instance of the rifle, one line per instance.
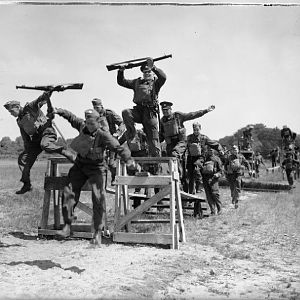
(57, 88)
(130, 63)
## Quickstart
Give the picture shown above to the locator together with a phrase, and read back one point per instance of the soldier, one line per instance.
(112, 122)
(174, 132)
(274, 154)
(258, 160)
(196, 143)
(288, 137)
(89, 165)
(234, 169)
(290, 164)
(37, 134)
(247, 138)
(211, 170)
(146, 110)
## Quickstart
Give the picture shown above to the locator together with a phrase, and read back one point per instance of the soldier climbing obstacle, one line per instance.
(89, 165)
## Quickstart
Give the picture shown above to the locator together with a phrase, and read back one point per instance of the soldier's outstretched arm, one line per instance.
(75, 122)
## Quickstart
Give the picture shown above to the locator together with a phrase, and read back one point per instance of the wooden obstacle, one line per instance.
(54, 184)
(125, 216)
(258, 186)
(55, 180)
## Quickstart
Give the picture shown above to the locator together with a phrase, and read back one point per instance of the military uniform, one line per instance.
(146, 110)
(113, 123)
(290, 164)
(274, 157)
(234, 169)
(288, 137)
(211, 171)
(258, 160)
(37, 134)
(90, 165)
(173, 131)
(195, 152)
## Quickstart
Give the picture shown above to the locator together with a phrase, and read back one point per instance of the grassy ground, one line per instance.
(252, 252)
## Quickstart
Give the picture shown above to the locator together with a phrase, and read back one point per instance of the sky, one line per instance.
(244, 59)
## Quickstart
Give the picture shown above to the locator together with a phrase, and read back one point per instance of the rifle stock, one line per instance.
(57, 88)
(129, 65)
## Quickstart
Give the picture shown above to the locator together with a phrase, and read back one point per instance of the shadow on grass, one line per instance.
(45, 265)
(23, 236)
(2, 245)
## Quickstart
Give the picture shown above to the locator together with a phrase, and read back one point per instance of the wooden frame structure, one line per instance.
(54, 183)
(124, 216)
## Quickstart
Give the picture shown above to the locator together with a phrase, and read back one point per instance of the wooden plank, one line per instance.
(172, 167)
(186, 196)
(145, 221)
(58, 183)
(179, 213)
(143, 207)
(149, 181)
(142, 238)
(154, 159)
(45, 211)
(84, 208)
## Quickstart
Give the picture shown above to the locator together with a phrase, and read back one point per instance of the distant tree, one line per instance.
(6, 146)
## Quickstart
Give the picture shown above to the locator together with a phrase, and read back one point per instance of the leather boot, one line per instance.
(25, 188)
(65, 232)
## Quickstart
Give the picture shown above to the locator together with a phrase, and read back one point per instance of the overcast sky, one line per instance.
(243, 59)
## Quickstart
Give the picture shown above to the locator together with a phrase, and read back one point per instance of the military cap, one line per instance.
(97, 101)
(10, 104)
(91, 114)
(166, 104)
(196, 124)
(145, 68)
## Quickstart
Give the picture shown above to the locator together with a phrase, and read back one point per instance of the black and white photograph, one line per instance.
(150, 150)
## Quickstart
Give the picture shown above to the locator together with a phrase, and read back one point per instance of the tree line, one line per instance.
(264, 140)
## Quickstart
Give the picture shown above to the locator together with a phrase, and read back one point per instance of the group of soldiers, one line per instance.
(104, 136)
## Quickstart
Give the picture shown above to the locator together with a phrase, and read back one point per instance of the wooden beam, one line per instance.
(149, 181)
(142, 238)
(142, 208)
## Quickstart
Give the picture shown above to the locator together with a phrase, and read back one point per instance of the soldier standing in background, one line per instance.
(234, 169)
(258, 160)
(112, 122)
(288, 137)
(196, 143)
(174, 132)
(146, 110)
(290, 165)
(89, 165)
(37, 134)
(211, 170)
(274, 154)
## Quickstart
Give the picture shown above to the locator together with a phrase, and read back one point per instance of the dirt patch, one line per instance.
(223, 265)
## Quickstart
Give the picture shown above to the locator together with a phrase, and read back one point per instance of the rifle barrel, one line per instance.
(118, 65)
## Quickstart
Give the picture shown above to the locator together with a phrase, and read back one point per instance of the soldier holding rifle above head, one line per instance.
(89, 165)
(146, 110)
(37, 133)
(174, 132)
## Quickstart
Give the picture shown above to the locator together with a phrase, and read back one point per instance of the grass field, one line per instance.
(254, 251)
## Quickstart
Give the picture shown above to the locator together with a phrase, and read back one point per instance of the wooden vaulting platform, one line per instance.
(126, 217)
